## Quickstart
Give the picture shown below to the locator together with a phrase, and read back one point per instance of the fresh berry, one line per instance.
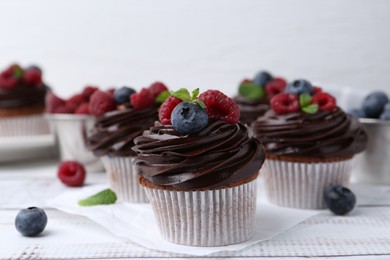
(316, 90)
(262, 78)
(31, 222)
(340, 200)
(71, 173)
(274, 87)
(74, 102)
(142, 100)
(88, 91)
(53, 103)
(156, 88)
(32, 77)
(285, 103)
(244, 81)
(111, 91)
(7, 78)
(357, 112)
(386, 113)
(34, 67)
(165, 111)
(374, 103)
(122, 95)
(189, 118)
(105, 197)
(100, 103)
(325, 101)
(298, 87)
(219, 106)
(83, 109)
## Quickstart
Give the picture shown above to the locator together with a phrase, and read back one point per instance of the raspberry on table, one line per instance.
(285, 103)
(164, 114)
(157, 87)
(142, 99)
(274, 87)
(74, 102)
(324, 101)
(82, 109)
(88, 91)
(100, 103)
(53, 102)
(219, 106)
(71, 173)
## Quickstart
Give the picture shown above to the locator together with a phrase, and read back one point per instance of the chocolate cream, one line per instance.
(251, 109)
(23, 96)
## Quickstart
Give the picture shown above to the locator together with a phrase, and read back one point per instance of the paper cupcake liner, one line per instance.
(23, 126)
(302, 185)
(205, 218)
(122, 176)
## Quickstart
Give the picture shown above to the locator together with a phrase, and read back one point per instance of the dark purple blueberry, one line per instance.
(189, 118)
(357, 112)
(31, 221)
(339, 199)
(374, 103)
(386, 113)
(262, 78)
(122, 95)
(298, 87)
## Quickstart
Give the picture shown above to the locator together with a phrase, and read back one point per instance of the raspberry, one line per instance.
(142, 99)
(220, 106)
(71, 173)
(285, 103)
(83, 109)
(111, 91)
(245, 81)
(54, 103)
(156, 88)
(164, 114)
(100, 103)
(74, 102)
(274, 87)
(324, 100)
(32, 77)
(88, 91)
(316, 90)
(8, 80)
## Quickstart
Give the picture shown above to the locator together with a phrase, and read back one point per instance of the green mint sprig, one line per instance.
(306, 105)
(18, 72)
(104, 197)
(162, 97)
(250, 90)
(184, 95)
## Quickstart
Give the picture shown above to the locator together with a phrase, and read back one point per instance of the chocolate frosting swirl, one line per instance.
(216, 157)
(320, 135)
(251, 109)
(23, 96)
(114, 132)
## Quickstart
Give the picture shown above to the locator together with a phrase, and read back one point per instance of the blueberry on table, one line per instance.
(357, 112)
(298, 87)
(31, 221)
(122, 95)
(386, 113)
(373, 105)
(262, 78)
(189, 118)
(339, 199)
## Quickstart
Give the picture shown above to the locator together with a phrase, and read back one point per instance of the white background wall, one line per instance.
(202, 43)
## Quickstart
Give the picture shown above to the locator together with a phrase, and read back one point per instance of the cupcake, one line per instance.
(309, 142)
(198, 167)
(22, 102)
(113, 134)
(254, 95)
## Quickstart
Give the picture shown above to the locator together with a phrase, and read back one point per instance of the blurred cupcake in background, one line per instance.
(22, 102)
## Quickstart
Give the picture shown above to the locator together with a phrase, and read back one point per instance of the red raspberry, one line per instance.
(274, 87)
(7, 78)
(71, 173)
(54, 103)
(285, 103)
(83, 109)
(324, 100)
(100, 103)
(88, 91)
(316, 90)
(32, 77)
(74, 102)
(142, 99)
(220, 106)
(111, 91)
(245, 81)
(164, 114)
(156, 88)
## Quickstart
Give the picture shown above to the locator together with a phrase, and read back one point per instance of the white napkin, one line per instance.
(136, 222)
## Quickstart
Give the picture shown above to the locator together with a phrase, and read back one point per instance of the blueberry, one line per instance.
(386, 112)
(299, 86)
(357, 112)
(122, 95)
(189, 118)
(374, 103)
(340, 200)
(31, 221)
(262, 78)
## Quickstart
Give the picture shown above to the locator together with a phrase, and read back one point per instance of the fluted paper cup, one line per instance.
(23, 126)
(205, 218)
(122, 177)
(302, 185)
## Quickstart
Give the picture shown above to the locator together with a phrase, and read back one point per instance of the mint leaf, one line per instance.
(310, 109)
(162, 97)
(182, 94)
(18, 72)
(195, 94)
(304, 99)
(251, 91)
(200, 103)
(104, 197)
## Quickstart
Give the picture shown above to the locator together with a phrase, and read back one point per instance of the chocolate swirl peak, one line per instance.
(114, 132)
(251, 109)
(321, 135)
(220, 155)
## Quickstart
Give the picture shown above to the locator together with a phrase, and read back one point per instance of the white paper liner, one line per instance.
(205, 218)
(122, 177)
(23, 126)
(302, 185)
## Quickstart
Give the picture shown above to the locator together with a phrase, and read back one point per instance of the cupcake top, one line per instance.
(306, 122)
(22, 87)
(254, 95)
(198, 145)
(123, 116)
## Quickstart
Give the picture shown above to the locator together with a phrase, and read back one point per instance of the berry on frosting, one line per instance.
(32, 76)
(9, 78)
(299, 86)
(165, 111)
(53, 103)
(142, 99)
(100, 103)
(122, 95)
(250, 90)
(219, 106)
(73, 103)
(262, 78)
(189, 118)
(316, 90)
(324, 101)
(88, 91)
(71, 173)
(285, 103)
(274, 87)
(82, 109)
(157, 88)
